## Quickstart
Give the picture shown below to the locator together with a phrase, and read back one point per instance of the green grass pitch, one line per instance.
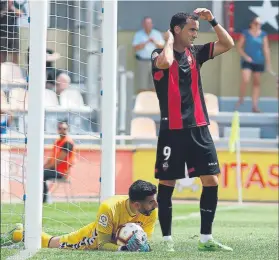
(252, 231)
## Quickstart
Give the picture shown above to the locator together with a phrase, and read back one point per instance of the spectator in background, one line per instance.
(56, 79)
(254, 49)
(61, 159)
(144, 42)
(9, 33)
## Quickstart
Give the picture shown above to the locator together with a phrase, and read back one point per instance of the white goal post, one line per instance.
(35, 131)
(36, 110)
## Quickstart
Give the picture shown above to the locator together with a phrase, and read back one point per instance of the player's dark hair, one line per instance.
(146, 17)
(252, 20)
(63, 121)
(180, 19)
(139, 190)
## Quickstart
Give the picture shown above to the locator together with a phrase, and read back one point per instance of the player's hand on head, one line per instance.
(169, 36)
(204, 14)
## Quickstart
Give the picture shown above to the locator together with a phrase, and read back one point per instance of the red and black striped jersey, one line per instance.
(179, 88)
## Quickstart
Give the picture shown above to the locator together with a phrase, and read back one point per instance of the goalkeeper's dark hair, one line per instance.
(140, 189)
(180, 19)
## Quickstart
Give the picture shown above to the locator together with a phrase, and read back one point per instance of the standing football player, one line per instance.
(139, 207)
(184, 135)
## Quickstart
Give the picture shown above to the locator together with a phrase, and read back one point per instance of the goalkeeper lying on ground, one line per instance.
(138, 208)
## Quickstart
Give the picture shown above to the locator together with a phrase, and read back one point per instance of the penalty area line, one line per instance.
(23, 254)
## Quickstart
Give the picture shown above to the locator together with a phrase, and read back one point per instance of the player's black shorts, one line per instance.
(193, 147)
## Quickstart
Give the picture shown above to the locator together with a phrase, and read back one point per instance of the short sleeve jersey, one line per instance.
(179, 88)
(254, 46)
(114, 212)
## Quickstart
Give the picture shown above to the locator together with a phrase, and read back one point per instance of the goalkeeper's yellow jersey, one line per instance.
(112, 213)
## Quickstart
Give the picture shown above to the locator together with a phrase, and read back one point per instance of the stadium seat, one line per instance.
(245, 132)
(18, 98)
(51, 100)
(143, 127)
(72, 99)
(11, 74)
(214, 130)
(147, 103)
(4, 101)
(212, 104)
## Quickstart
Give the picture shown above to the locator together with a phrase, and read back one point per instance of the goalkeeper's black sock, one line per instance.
(208, 205)
(165, 208)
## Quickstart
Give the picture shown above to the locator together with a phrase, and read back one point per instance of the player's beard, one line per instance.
(146, 212)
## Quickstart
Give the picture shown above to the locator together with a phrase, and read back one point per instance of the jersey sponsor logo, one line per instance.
(103, 220)
(154, 55)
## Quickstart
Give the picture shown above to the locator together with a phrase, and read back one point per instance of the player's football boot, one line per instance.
(212, 245)
(168, 245)
(15, 235)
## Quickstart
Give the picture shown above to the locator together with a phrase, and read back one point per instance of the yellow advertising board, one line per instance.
(259, 170)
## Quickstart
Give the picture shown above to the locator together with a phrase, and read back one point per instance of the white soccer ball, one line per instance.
(126, 231)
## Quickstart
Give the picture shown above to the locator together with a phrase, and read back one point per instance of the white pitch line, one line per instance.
(23, 255)
(197, 214)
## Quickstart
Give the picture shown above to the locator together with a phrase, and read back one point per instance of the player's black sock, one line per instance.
(208, 205)
(165, 208)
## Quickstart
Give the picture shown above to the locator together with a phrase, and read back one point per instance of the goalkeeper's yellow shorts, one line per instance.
(84, 238)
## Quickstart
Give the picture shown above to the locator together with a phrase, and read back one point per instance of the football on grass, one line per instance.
(125, 232)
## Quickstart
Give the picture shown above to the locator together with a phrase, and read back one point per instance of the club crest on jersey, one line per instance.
(158, 75)
(165, 166)
(103, 220)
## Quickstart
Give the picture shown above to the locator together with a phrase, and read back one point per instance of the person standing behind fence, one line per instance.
(254, 49)
(9, 34)
(61, 159)
(145, 41)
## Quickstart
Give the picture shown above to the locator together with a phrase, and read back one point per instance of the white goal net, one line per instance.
(74, 100)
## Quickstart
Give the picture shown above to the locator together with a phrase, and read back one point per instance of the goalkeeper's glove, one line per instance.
(134, 243)
(145, 247)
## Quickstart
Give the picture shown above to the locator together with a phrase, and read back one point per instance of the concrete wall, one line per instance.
(57, 40)
(221, 76)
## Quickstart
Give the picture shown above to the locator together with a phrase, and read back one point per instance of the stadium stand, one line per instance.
(143, 127)
(18, 99)
(4, 100)
(72, 99)
(51, 100)
(11, 74)
(147, 103)
(214, 130)
(212, 104)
